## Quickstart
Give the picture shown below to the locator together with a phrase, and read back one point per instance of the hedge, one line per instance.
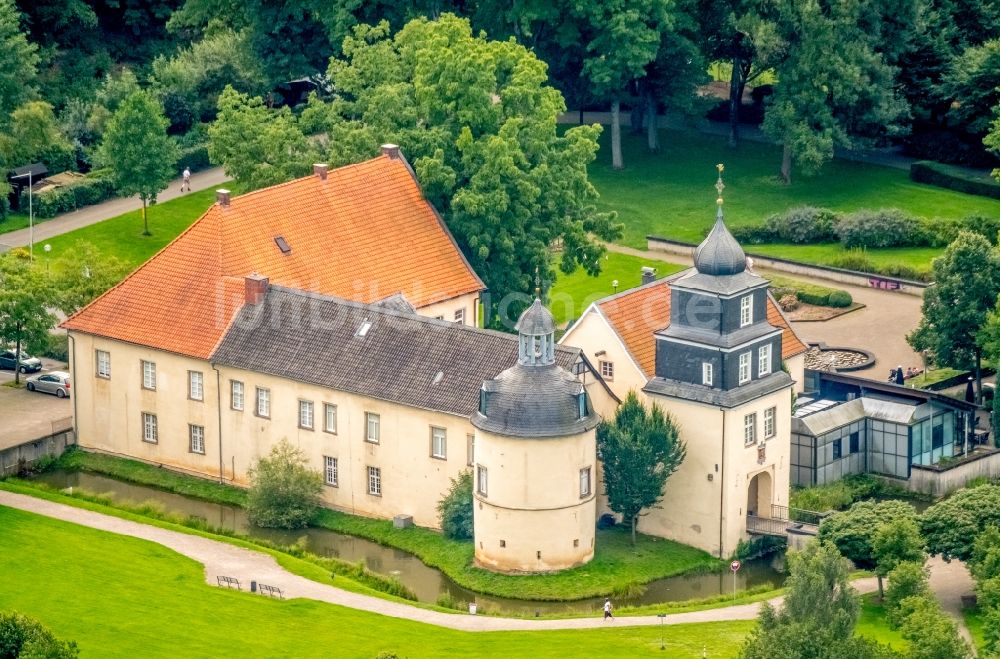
(811, 293)
(954, 178)
(84, 192)
(194, 158)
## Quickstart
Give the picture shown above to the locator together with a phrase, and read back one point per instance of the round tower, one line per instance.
(535, 460)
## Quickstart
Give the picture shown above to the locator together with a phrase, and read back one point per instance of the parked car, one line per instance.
(28, 364)
(56, 382)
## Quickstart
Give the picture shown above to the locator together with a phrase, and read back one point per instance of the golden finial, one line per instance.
(719, 185)
(538, 284)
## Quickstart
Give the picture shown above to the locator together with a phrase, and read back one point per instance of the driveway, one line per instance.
(29, 415)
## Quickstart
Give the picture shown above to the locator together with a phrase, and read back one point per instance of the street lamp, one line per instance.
(31, 220)
(614, 285)
(662, 616)
(48, 248)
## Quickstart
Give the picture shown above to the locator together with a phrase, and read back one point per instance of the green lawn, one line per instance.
(671, 193)
(122, 597)
(570, 295)
(974, 621)
(872, 624)
(14, 221)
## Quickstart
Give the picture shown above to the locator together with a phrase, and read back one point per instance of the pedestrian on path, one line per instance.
(607, 609)
(186, 180)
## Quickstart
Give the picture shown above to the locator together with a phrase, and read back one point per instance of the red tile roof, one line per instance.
(637, 314)
(363, 234)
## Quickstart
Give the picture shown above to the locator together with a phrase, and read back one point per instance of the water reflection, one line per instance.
(427, 583)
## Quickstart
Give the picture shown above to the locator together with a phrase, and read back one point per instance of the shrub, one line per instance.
(21, 636)
(82, 192)
(754, 234)
(788, 302)
(194, 158)
(859, 262)
(953, 178)
(284, 492)
(886, 227)
(908, 579)
(840, 299)
(804, 224)
(55, 346)
(455, 508)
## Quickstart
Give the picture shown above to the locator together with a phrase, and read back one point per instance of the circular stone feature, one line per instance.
(824, 358)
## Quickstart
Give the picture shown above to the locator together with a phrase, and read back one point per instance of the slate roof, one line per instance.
(364, 233)
(719, 397)
(637, 314)
(720, 254)
(318, 339)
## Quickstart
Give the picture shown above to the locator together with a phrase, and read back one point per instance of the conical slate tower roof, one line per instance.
(719, 254)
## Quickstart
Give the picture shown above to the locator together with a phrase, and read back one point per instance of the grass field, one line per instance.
(123, 597)
(872, 624)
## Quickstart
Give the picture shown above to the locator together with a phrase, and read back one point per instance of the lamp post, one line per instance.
(48, 248)
(31, 220)
(662, 616)
(614, 285)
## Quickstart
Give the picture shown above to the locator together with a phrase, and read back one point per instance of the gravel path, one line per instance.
(950, 581)
(220, 558)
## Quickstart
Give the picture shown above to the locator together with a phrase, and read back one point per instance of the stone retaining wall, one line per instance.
(14, 458)
(939, 481)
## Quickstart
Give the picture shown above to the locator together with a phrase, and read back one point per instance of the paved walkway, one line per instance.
(879, 328)
(99, 212)
(949, 581)
(221, 558)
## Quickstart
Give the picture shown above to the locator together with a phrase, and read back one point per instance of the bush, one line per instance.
(953, 178)
(63, 199)
(788, 302)
(886, 227)
(284, 492)
(754, 234)
(21, 636)
(840, 299)
(804, 224)
(948, 146)
(194, 158)
(456, 508)
(908, 579)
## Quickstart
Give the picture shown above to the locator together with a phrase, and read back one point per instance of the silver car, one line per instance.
(56, 382)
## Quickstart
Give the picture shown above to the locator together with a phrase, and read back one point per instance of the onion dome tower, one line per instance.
(535, 460)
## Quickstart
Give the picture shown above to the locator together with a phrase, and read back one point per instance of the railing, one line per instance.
(797, 514)
(766, 526)
(784, 519)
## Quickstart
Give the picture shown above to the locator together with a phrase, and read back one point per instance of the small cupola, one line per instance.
(536, 331)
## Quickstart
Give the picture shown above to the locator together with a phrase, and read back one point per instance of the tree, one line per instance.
(951, 526)
(895, 542)
(284, 492)
(984, 563)
(639, 451)
(818, 616)
(18, 61)
(82, 274)
(907, 579)
(34, 135)
(455, 508)
(992, 139)
(24, 299)
(931, 632)
(21, 636)
(477, 120)
(853, 531)
(255, 145)
(966, 284)
(138, 151)
(972, 85)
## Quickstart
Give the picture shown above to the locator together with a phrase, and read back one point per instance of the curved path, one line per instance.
(220, 558)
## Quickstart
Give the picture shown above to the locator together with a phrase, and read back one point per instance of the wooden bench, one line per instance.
(228, 582)
(270, 591)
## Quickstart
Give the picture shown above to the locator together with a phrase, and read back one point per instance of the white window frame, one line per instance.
(764, 359)
(196, 385)
(607, 370)
(482, 480)
(307, 417)
(745, 369)
(373, 428)
(769, 422)
(262, 408)
(439, 443)
(585, 482)
(103, 359)
(375, 481)
(150, 432)
(746, 310)
(707, 374)
(330, 418)
(237, 395)
(148, 375)
(750, 429)
(330, 471)
(460, 316)
(196, 439)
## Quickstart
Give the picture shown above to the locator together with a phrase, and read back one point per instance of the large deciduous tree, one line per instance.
(639, 451)
(931, 632)
(477, 120)
(966, 284)
(895, 542)
(972, 84)
(34, 135)
(25, 296)
(284, 492)
(137, 150)
(83, 273)
(853, 531)
(18, 61)
(951, 527)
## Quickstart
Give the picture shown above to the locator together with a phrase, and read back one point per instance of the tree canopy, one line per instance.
(18, 61)
(25, 296)
(284, 492)
(951, 526)
(853, 531)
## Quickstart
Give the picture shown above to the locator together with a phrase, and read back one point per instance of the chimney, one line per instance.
(392, 151)
(254, 288)
(321, 169)
(648, 275)
(222, 197)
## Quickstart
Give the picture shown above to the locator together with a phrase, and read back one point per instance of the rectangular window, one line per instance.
(148, 375)
(306, 414)
(607, 370)
(236, 395)
(706, 373)
(103, 364)
(585, 482)
(482, 486)
(330, 418)
(438, 443)
(264, 402)
(855, 442)
(744, 368)
(764, 360)
(149, 433)
(750, 428)
(470, 447)
(330, 470)
(375, 481)
(196, 385)
(837, 448)
(196, 439)
(372, 428)
(746, 310)
(769, 429)
(460, 316)
(937, 437)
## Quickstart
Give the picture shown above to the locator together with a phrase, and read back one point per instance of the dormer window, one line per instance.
(746, 310)
(581, 401)
(483, 398)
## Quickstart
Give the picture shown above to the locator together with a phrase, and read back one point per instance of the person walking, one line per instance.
(607, 609)
(186, 180)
